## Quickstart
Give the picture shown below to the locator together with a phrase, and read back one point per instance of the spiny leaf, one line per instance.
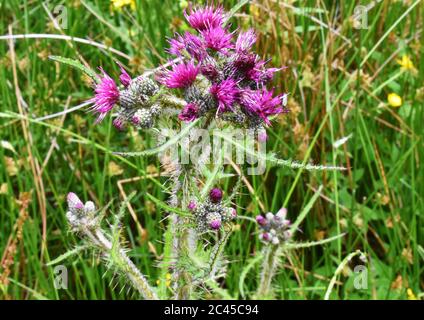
(67, 254)
(271, 158)
(76, 64)
(312, 243)
(162, 147)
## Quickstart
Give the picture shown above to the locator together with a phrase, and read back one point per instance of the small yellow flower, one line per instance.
(168, 277)
(406, 62)
(394, 100)
(411, 295)
(119, 4)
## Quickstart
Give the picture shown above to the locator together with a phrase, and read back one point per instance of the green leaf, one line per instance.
(67, 255)
(312, 243)
(245, 271)
(305, 210)
(162, 147)
(76, 64)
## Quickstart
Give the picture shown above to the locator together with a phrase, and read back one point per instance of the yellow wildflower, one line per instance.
(168, 279)
(411, 295)
(119, 4)
(394, 100)
(406, 62)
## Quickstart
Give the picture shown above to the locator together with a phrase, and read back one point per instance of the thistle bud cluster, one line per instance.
(135, 104)
(212, 213)
(133, 98)
(215, 69)
(275, 228)
(81, 216)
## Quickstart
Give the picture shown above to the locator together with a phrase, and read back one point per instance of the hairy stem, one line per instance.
(268, 270)
(123, 263)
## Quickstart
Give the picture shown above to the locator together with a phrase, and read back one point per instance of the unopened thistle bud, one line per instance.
(276, 228)
(74, 203)
(142, 118)
(80, 215)
(214, 220)
(215, 195)
(212, 214)
(191, 206)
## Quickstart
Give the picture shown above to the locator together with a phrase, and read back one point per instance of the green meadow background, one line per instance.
(340, 71)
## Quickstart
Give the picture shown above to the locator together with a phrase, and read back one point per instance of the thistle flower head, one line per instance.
(261, 220)
(211, 213)
(191, 205)
(245, 41)
(182, 75)
(106, 95)
(262, 103)
(275, 228)
(260, 74)
(215, 195)
(80, 216)
(74, 203)
(214, 220)
(189, 42)
(119, 124)
(206, 17)
(124, 78)
(189, 113)
(218, 39)
(142, 118)
(225, 93)
(176, 45)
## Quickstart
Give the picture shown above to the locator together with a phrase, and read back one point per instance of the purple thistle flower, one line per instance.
(124, 78)
(215, 195)
(181, 76)
(194, 46)
(189, 42)
(261, 220)
(189, 113)
(260, 74)
(244, 63)
(209, 68)
(233, 213)
(176, 45)
(217, 39)
(119, 124)
(262, 103)
(215, 224)
(265, 236)
(245, 41)
(225, 93)
(206, 17)
(281, 214)
(106, 95)
(192, 205)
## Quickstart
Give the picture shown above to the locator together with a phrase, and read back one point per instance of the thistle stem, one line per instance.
(268, 270)
(124, 264)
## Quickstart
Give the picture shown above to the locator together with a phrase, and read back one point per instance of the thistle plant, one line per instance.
(213, 81)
